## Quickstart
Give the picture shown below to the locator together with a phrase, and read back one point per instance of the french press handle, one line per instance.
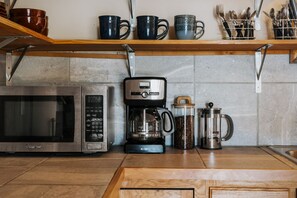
(230, 129)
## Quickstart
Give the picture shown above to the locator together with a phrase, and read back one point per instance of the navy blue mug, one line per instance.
(147, 27)
(110, 27)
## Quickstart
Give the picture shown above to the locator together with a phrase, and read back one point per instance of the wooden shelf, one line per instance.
(184, 47)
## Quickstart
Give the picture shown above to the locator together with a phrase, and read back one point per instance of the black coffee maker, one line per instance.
(147, 119)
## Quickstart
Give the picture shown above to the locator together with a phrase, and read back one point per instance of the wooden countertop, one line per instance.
(241, 158)
(227, 158)
(89, 175)
(173, 158)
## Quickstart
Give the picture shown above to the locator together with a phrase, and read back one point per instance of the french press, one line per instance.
(209, 121)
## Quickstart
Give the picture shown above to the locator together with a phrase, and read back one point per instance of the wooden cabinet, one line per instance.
(202, 183)
(248, 193)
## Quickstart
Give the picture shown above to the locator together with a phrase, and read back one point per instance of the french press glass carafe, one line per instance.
(209, 122)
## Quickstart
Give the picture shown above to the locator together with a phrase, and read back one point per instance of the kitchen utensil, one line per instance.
(184, 113)
(209, 121)
(237, 23)
(221, 15)
(293, 6)
(246, 23)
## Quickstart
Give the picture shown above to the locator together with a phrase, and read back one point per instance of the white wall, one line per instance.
(77, 19)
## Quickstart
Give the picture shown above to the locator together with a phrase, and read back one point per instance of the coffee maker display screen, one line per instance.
(144, 85)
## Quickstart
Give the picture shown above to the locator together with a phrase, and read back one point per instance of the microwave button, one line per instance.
(95, 146)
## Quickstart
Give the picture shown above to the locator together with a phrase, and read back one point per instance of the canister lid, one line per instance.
(183, 101)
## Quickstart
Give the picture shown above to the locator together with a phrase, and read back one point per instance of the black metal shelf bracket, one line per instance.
(131, 59)
(259, 63)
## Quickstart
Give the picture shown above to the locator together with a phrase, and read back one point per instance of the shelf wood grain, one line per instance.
(39, 42)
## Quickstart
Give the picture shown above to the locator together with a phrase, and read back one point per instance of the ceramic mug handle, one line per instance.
(166, 26)
(125, 23)
(199, 30)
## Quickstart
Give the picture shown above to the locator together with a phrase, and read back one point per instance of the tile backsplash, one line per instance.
(268, 118)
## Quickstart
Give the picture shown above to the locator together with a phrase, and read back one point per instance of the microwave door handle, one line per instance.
(53, 127)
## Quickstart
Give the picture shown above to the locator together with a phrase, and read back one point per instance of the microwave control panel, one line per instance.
(94, 118)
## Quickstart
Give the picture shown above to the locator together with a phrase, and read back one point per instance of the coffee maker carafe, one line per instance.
(209, 121)
(147, 119)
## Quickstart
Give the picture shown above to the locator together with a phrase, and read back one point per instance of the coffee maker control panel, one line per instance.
(145, 89)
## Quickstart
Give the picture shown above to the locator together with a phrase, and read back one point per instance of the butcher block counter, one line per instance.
(227, 173)
(230, 172)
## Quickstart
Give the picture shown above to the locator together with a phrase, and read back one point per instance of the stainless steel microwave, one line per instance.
(55, 119)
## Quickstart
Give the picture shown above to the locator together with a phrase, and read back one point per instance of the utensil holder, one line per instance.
(241, 29)
(285, 28)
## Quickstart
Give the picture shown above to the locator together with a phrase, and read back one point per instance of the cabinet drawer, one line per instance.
(157, 193)
(248, 193)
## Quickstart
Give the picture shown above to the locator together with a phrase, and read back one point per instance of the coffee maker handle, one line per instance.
(162, 112)
(230, 127)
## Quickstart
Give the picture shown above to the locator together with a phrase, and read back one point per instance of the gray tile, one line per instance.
(277, 68)
(118, 115)
(2, 69)
(227, 68)
(42, 70)
(237, 100)
(173, 68)
(278, 114)
(98, 70)
(179, 89)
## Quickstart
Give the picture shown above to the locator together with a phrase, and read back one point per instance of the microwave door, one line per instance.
(17, 120)
(38, 119)
(43, 118)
